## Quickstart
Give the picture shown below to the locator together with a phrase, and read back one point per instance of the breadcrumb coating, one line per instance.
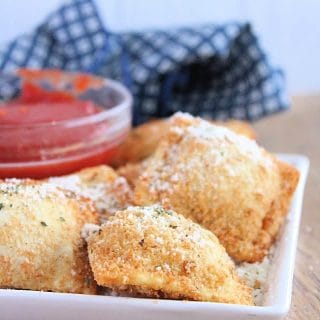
(40, 243)
(109, 191)
(152, 252)
(144, 139)
(132, 171)
(223, 181)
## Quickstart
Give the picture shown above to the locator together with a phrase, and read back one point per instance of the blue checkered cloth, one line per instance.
(216, 71)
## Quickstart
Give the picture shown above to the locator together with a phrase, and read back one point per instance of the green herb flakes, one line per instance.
(160, 210)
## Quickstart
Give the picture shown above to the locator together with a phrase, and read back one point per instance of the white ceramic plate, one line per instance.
(23, 304)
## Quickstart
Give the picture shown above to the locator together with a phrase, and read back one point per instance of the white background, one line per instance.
(289, 29)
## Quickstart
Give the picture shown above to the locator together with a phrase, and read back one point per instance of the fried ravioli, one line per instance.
(141, 142)
(40, 243)
(132, 171)
(152, 252)
(223, 181)
(144, 139)
(102, 185)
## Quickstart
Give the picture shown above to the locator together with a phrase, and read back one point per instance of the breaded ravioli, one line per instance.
(102, 185)
(41, 247)
(223, 181)
(141, 142)
(144, 139)
(152, 252)
(132, 171)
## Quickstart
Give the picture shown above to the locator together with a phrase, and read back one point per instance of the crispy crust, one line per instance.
(151, 252)
(140, 143)
(132, 171)
(279, 208)
(102, 185)
(240, 127)
(40, 243)
(221, 180)
(144, 139)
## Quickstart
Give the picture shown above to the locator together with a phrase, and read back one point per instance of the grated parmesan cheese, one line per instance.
(108, 197)
(34, 191)
(89, 229)
(218, 135)
(255, 275)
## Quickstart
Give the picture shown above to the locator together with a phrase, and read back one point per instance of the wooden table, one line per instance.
(298, 131)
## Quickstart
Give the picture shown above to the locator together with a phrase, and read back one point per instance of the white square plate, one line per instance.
(32, 305)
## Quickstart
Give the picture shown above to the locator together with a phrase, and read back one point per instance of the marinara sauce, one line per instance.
(46, 133)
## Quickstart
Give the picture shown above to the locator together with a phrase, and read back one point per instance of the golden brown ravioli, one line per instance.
(40, 243)
(108, 191)
(223, 181)
(152, 252)
(144, 139)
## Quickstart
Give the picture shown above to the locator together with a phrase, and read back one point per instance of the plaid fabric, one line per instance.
(69, 39)
(216, 71)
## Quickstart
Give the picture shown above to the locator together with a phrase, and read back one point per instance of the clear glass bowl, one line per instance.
(60, 147)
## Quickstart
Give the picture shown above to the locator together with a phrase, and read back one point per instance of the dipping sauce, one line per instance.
(36, 105)
(47, 132)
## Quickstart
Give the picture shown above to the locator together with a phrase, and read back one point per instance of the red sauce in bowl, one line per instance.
(36, 105)
(52, 132)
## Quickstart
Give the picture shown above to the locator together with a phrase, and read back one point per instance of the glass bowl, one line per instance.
(60, 147)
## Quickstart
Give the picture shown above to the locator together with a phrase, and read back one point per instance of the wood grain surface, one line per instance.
(298, 131)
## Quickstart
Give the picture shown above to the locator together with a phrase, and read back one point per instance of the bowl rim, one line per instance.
(126, 101)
